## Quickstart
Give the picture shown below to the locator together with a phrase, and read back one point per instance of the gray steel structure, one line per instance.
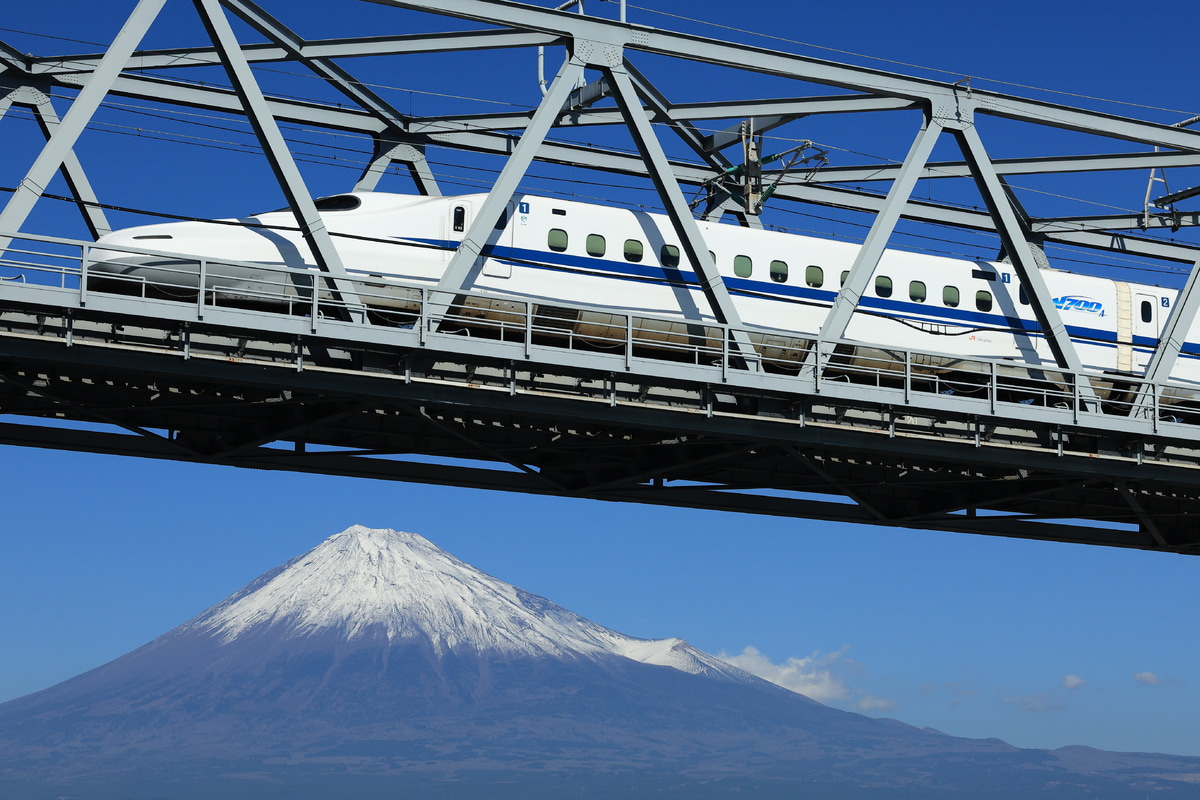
(532, 412)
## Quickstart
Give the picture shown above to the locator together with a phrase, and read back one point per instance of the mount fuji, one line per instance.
(377, 665)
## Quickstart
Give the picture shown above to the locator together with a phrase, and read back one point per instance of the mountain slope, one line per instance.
(378, 662)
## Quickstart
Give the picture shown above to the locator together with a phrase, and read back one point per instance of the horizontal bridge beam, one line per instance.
(745, 57)
(410, 44)
(1016, 166)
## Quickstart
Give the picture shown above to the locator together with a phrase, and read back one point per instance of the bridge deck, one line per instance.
(525, 405)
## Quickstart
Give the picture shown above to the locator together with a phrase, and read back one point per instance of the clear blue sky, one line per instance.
(1039, 644)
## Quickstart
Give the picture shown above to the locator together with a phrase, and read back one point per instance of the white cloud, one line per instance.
(1072, 681)
(811, 676)
(1148, 678)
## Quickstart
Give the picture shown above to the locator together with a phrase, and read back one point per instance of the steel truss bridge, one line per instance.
(322, 382)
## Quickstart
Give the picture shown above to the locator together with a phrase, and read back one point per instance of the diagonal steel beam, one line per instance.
(464, 266)
(57, 150)
(348, 85)
(334, 75)
(1019, 250)
(387, 151)
(691, 240)
(872, 248)
(76, 178)
(275, 147)
(1172, 338)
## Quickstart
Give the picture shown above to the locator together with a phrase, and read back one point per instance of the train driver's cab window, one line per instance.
(950, 296)
(1023, 296)
(634, 250)
(779, 271)
(1147, 311)
(743, 267)
(556, 240)
(883, 286)
(595, 245)
(338, 202)
(460, 219)
(668, 255)
(917, 292)
(814, 276)
(983, 300)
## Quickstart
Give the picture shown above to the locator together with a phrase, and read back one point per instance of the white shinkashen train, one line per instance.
(616, 261)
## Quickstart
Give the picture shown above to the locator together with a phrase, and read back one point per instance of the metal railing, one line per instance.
(787, 360)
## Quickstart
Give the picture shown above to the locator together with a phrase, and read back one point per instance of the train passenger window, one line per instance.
(950, 296)
(1147, 311)
(668, 255)
(917, 292)
(1023, 296)
(983, 300)
(503, 220)
(814, 276)
(633, 250)
(779, 270)
(595, 245)
(742, 266)
(845, 274)
(460, 218)
(556, 240)
(883, 286)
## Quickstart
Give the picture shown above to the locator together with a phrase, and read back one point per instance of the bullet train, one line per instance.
(615, 262)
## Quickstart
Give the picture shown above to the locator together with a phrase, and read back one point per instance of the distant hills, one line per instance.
(379, 666)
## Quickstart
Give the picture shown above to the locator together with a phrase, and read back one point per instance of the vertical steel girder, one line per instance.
(312, 227)
(58, 149)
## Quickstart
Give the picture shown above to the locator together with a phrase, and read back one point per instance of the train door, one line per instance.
(1146, 320)
(459, 222)
(493, 267)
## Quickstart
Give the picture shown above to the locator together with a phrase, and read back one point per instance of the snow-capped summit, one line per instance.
(366, 583)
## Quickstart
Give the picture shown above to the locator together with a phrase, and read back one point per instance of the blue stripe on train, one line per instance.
(913, 312)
